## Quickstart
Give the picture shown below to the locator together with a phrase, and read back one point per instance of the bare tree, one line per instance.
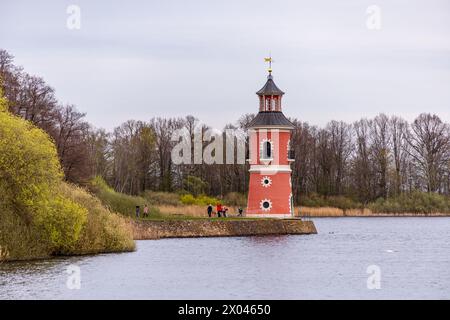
(429, 148)
(341, 148)
(362, 168)
(398, 131)
(380, 149)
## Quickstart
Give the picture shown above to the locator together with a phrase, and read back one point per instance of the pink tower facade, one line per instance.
(270, 189)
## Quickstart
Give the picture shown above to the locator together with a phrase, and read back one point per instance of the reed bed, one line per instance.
(331, 212)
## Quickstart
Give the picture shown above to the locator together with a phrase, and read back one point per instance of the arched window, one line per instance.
(267, 150)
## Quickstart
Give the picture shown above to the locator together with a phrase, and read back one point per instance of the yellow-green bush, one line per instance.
(201, 200)
(61, 222)
(104, 231)
(30, 175)
(39, 215)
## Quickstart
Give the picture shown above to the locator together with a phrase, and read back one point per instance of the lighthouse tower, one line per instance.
(270, 189)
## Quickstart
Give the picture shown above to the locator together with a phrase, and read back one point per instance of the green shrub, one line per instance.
(36, 219)
(39, 214)
(414, 202)
(195, 185)
(104, 231)
(61, 223)
(162, 198)
(201, 200)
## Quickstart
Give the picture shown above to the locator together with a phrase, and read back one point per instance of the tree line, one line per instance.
(365, 160)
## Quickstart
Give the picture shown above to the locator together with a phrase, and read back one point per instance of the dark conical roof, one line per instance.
(270, 88)
(271, 119)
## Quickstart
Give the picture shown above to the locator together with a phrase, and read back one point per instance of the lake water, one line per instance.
(412, 254)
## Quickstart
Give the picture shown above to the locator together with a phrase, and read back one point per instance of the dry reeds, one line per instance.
(331, 212)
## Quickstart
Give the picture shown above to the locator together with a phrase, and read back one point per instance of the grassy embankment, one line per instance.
(40, 214)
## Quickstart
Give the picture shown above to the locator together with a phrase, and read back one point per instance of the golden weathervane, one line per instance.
(269, 60)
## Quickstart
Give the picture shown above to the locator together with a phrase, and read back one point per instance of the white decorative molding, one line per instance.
(269, 215)
(261, 150)
(266, 181)
(288, 149)
(268, 128)
(290, 202)
(270, 168)
(261, 205)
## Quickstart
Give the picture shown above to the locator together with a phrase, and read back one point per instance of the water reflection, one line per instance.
(267, 240)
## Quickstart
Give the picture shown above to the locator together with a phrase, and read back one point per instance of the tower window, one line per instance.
(268, 104)
(266, 150)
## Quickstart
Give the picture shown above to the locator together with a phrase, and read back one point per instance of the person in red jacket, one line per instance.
(219, 209)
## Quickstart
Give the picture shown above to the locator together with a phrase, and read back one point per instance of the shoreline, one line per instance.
(199, 228)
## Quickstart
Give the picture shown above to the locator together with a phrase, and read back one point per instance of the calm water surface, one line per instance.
(413, 255)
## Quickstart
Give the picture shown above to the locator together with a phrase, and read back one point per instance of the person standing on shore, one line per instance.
(219, 209)
(138, 211)
(210, 209)
(145, 211)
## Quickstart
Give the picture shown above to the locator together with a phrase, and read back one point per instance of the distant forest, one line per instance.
(366, 160)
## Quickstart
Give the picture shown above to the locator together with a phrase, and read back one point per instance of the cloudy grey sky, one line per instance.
(139, 59)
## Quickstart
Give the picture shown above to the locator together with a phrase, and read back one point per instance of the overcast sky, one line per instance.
(139, 59)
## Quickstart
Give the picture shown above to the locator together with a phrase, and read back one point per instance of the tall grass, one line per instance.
(330, 212)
